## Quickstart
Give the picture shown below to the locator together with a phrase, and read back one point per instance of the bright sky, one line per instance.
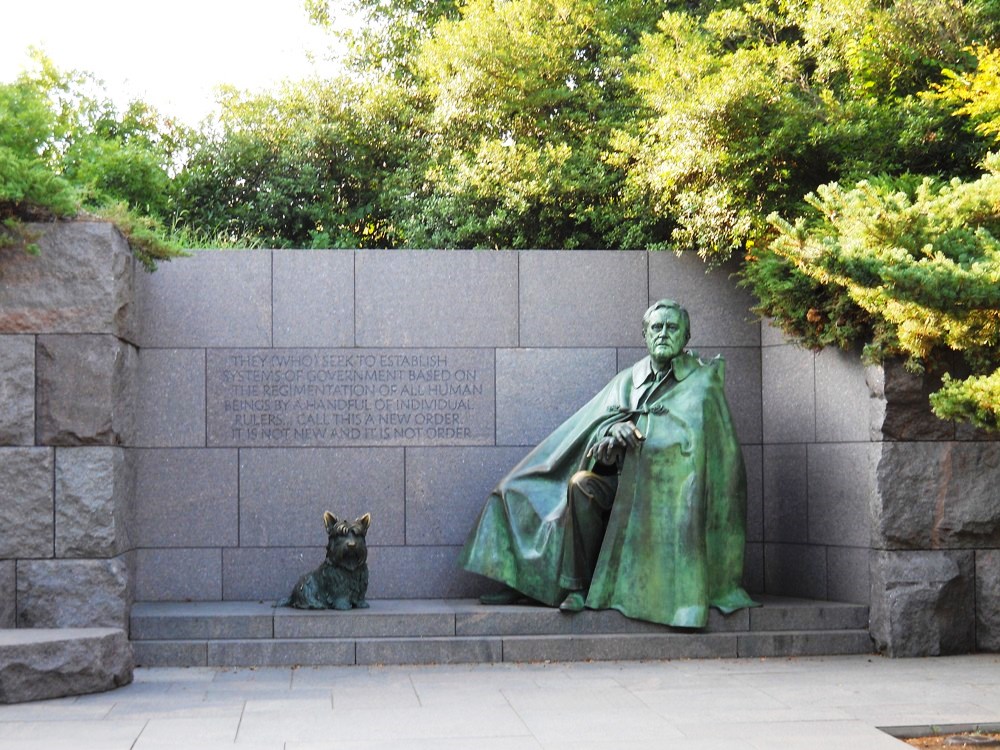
(171, 53)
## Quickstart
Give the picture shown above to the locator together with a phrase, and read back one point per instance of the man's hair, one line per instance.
(668, 304)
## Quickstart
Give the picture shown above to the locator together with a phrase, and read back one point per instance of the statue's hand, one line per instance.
(626, 434)
(610, 448)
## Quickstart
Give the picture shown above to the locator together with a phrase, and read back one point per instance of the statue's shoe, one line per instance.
(506, 595)
(573, 602)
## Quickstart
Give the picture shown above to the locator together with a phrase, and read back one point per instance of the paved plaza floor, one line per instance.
(784, 703)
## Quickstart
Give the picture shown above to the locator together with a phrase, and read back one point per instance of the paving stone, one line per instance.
(17, 390)
(85, 390)
(26, 502)
(39, 664)
(94, 488)
(80, 282)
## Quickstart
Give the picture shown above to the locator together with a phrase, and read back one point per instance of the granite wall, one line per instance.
(230, 490)
(182, 442)
(68, 361)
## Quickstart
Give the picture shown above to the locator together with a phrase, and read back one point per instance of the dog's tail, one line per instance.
(286, 602)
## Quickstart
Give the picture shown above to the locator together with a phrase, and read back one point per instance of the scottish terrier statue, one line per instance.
(341, 582)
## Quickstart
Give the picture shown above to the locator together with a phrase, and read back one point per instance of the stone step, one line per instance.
(41, 663)
(423, 631)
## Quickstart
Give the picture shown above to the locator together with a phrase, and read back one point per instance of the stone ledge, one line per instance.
(42, 663)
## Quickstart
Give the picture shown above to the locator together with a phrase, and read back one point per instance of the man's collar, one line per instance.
(683, 365)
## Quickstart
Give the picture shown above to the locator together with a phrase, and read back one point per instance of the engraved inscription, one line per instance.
(330, 397)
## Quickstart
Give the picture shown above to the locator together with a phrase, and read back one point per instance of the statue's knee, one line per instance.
(582, 480)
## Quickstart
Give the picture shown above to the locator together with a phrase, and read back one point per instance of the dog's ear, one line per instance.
(329, 521)
(364, 522)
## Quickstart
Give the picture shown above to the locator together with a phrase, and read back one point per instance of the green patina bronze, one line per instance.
(635, 503)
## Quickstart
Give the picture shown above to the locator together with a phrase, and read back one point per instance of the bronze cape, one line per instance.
(676, 532)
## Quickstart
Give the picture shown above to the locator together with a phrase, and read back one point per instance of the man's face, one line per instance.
(665, 335)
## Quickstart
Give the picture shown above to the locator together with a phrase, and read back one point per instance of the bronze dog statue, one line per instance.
(342, 580)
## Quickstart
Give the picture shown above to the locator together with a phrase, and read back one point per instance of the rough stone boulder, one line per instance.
(36, 664)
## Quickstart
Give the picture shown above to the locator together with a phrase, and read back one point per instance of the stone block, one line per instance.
(788, 394)
(174, 574)
(538, 389)
(719, 310)
(421, 572)
(17, 390)
(176, 487)
(620, 647)
(795, 570)
(901, 410)
(841, 484)
(843, 399)
(923, 602)
(188, 621)
(533, 620)
(280, 653)
(829, 643)
(785, 493)
(988, 600)
(937, 495)
(85, 390)
(791, 614)
(8, 594)
(436, 298)
(170, 653)
(268, 573)
(80, 282)
(753, 460)
(753, 567)
(771, 334)
(429, 651)
(94, 489)
(582, 298)
(848, 574)
(332, 398)
(446, 489)
(405, 618)
(285, 491)
(74, 593)
(313, 297)
(26, 502)
(170, 406)
(213, 298)
(40, 664)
